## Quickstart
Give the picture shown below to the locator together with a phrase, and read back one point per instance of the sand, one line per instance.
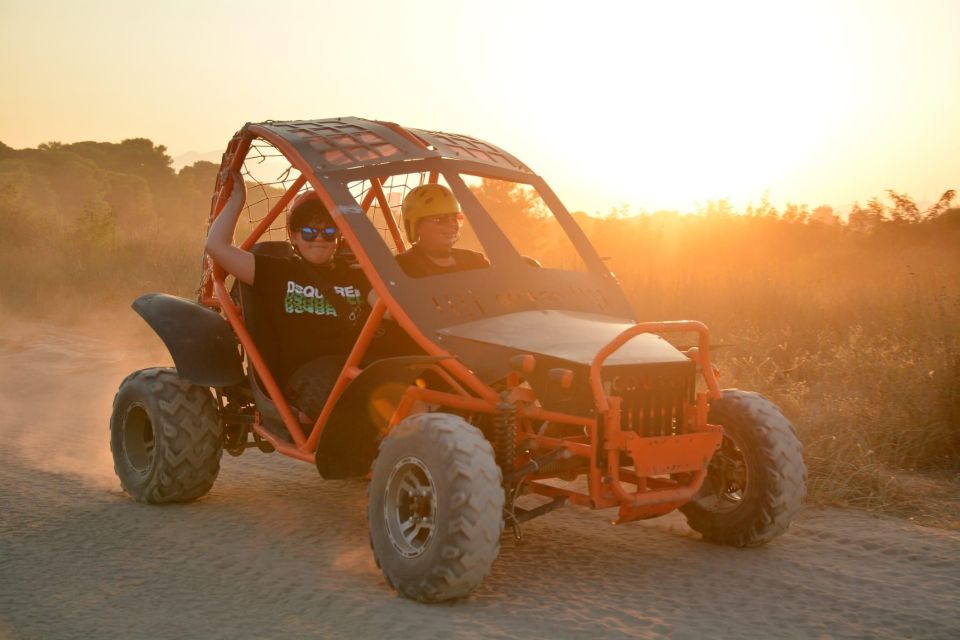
(275, 551)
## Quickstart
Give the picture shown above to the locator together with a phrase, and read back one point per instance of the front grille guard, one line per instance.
(657, 425)
(654, 403)
(701, 355)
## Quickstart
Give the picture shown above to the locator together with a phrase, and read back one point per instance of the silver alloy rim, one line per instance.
(410, 506)
(729, 478)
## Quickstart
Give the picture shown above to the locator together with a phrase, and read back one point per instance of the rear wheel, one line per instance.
(755, 482)
(165, 436)
(435, 507)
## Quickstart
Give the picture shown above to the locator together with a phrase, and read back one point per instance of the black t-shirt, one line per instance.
(416, 264)
(295, 321)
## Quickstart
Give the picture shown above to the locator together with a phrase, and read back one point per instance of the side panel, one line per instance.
(350, 437)
(202, 344)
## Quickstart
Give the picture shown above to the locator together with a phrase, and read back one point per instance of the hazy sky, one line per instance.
(651, 104)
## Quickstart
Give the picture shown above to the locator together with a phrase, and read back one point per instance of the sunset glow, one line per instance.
(632, 104)
(343, 318)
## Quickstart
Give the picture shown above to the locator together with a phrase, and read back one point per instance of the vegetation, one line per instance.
(97, 221)
(847, 322)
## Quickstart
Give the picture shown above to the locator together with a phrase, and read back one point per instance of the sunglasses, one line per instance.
(444, 218)
(328, 233)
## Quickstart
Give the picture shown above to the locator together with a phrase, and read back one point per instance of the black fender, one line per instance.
(352, 434)
(203, 346)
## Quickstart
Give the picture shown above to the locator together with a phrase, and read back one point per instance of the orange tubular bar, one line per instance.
(661, 499)
(468, 403)
(536, 413)
(451, 364)
(225, 303)
(284, 447)
(546, 442)
(393, 126)
(233, 314)
(243, 140)
(350, 371)
(414, 394)
(596, 476)
(367, 201)
(236, 161)
(450, 380)
(580, 499)
(377, 188)
(274, 212)
(596, 385)
(644, 503)
(660, 496)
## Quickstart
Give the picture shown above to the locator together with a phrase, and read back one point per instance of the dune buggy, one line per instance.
(532, 383)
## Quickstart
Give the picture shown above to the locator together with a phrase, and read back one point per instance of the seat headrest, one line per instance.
(275, 248)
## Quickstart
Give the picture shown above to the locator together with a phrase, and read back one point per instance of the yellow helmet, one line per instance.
(424, 201)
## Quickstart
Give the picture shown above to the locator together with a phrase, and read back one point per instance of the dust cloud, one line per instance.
(57, 385)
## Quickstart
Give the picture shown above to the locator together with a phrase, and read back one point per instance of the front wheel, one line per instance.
(755, 482)
(165, 436)
(435, 507)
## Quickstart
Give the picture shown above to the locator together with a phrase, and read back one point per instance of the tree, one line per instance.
(876, 211)
(97, 225)
(17, 226)
(942, 205)
(797, 214)
(137, 156)
(904, 208)
(518, 210)
(194, 188)
(862, 220)
(824, 215)
(718, 208)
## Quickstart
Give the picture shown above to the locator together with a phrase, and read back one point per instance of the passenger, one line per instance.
(432, 219)
(308, 306)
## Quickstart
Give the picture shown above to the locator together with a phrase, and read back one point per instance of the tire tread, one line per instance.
(186, 466)
(783, 471)
(472, 540)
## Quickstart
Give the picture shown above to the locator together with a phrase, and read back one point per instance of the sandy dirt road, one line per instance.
(274, 551)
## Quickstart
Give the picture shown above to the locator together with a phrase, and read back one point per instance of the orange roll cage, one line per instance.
(657, 489)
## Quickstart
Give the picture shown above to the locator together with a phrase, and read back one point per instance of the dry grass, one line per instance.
(853, 336)
(71, 277)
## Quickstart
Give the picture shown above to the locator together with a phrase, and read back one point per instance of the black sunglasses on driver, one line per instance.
(327, 232)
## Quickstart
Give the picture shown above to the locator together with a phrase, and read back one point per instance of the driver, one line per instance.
(432, 219)
(308, 305)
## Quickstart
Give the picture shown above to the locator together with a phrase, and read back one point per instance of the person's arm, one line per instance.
(235, 260)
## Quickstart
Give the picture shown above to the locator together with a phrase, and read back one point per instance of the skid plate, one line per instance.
(666, 455)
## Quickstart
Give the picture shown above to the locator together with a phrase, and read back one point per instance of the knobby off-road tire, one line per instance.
(435, 507)
(756, 481)
(165, 436)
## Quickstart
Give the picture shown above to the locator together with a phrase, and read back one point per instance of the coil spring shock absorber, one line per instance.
(505, 436)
